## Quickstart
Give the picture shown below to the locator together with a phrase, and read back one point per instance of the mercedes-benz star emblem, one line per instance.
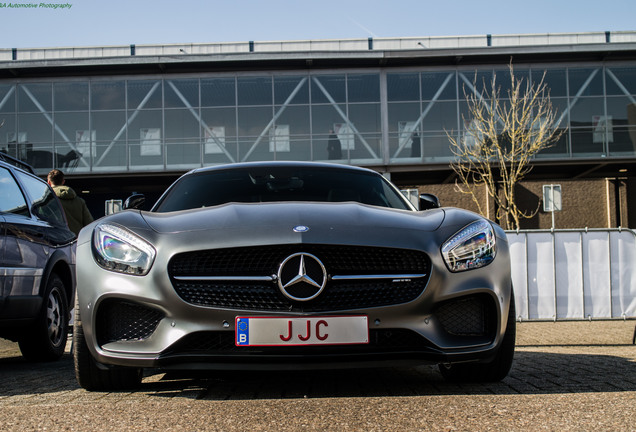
(301, 277)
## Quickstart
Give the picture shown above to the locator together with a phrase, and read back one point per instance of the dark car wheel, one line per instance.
(46, 339)
(497, 368)
(92, 376)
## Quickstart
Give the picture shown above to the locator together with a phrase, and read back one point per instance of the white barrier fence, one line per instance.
(574, 274)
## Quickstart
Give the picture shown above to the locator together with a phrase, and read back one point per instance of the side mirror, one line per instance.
(429, 201)
(135, 201)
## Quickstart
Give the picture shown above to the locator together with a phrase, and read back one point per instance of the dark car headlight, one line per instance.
(117, 249)
(471, 247)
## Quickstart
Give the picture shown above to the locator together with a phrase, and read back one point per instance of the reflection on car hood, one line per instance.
(272, 217)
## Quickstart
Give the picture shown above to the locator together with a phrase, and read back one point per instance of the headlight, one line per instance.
(118, 249)
(470, 248)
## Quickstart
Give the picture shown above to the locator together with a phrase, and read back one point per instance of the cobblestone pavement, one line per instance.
(566, 376)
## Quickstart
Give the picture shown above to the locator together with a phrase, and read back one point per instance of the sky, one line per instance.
(125, 22)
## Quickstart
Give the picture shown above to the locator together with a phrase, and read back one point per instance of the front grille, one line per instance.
(468, 316)
(222, 342)
(265, 260)
(119, 320)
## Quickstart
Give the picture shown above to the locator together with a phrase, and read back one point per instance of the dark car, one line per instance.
(291, 265)
(37, 264)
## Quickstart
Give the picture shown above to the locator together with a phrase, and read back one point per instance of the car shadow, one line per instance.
(532, 373)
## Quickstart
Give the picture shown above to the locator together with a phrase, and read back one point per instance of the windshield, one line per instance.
(271, 184)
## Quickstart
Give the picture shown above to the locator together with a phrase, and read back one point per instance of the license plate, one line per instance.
(285, 331)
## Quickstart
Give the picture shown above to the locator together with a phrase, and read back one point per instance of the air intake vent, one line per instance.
(467, 316)
(119, 320)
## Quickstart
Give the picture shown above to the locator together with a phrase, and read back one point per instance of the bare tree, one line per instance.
(501, 137)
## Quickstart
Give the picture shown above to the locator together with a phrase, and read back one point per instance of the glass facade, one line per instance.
(375, 117)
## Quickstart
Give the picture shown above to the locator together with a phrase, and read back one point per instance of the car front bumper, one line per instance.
(141, 321)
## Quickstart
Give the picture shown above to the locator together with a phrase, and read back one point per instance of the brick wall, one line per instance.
(591, 203)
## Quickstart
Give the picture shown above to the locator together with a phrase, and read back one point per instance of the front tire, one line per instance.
(46, 339)
(494, 370)
(94, 377)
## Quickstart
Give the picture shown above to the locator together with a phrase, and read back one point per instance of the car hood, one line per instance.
(324, 222)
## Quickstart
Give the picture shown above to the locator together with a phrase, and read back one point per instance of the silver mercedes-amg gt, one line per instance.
(289, 265)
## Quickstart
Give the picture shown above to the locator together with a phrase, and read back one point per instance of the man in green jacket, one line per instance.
(77, 213)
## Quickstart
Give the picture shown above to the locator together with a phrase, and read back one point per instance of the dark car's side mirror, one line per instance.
(429, 201)
(135, 201)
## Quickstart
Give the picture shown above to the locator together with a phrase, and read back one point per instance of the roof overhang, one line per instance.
(255, 61)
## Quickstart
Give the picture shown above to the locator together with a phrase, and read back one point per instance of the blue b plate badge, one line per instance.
(315, 330)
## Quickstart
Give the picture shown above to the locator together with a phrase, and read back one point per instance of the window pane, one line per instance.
(34, 97)
(144, 94)
(432, 82)
(285, 86)
(441, 116)
(183, 144)
(622, 141)
(108, 95)
(589, 82)
(218, 92)
(554, 79)
(366, 117)
(7, 98)
(36, 128)
(44, 204)
(111, 154)
(181, 124)
(145, 138)
(144, 119)
(402, 112)
(70, 96)
(219, 135)
(297, 117)
(619, 110)
(504, 80)
(620, 79)
(183, 153)
(368, 149)
(70, 124)
(255, 91)
(558, 149)
(109, 124)
(249, 152)
(11, 198)
(220, 117)
(471, 81)
(366, 120)
(76, 142)
(145, 141)
(403, 87)
(177, 90)
(333, 85)
(224, 149)
(324, 118)
(586, 110)
(585, 142)
(7, 132)
(560, 106)
(433, 147)
(363, 88)
(252, 123)
(402, 122)
(436, 147)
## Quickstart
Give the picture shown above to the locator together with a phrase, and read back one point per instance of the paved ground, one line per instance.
(566, 376)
